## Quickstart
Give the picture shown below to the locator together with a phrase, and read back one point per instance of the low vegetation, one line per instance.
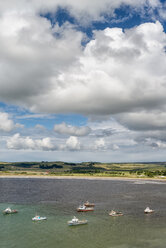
(133, 170)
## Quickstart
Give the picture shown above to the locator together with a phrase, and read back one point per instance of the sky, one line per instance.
(83, 80)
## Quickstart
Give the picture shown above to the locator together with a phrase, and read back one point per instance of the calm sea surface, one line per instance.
(58, 198)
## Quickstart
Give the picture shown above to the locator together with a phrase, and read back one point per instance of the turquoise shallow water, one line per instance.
(133, 230)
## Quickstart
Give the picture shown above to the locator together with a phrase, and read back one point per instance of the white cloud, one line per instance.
(18, 142)
(45, 144)
(144, 120)
(115, 147)
(73, 143)
(34, 116)
(25, 143)
(7, 124)
(159, 144)
(154, 143)
(162, 10)
(63, 128)
(119, 73)
(34, 56)
(99, 144)
(109, 125)
(115, 73)
(82, 10)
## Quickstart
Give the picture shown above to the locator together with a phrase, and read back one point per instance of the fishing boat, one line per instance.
(148, 210)
(37, 218)
(88, 204)
(83, 208)
(75, 222)
(10, 211)
(114, 213)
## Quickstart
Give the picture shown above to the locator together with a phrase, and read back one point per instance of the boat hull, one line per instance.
(39, 219)
(77, 223)
(149, 212)
(10, 212)
(85, 210)
(115, 215)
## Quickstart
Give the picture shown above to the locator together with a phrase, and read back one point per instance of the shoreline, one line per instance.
(82, 178)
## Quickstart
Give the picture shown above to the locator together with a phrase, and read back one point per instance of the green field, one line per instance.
(136, 170)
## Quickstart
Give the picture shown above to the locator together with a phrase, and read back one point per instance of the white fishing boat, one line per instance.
(148, 210)
(37, 218)
(75, 222)
(89, 204)
(115, 213)
(83, 208)
(10, 211)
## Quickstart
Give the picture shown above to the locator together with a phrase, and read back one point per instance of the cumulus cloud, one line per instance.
(34, 56)
(84, 11)
(119, 73)
(24, 143)
(18, 142)
(63, 128)
(106, 144)
(115, 73)
(73, 143)
(144, 121)
(6, 124)
(51, 72)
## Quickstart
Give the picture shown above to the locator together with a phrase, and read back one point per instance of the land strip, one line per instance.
(153, 170)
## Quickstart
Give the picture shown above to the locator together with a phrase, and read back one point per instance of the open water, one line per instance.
(57, 199)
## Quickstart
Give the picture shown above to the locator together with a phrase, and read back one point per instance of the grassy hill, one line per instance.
(85, 168)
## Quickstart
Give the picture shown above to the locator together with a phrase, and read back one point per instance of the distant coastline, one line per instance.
(84, 170)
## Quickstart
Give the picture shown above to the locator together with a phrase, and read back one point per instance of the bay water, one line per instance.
(57, 199)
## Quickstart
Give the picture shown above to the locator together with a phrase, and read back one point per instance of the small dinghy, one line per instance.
(37, 218)
(10, 211)
(148, 210)
(75, 222)
(114, 213)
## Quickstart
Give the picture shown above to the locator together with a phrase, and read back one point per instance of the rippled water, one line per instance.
(58, 198)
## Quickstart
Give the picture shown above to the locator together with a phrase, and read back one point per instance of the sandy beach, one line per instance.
(83, 177)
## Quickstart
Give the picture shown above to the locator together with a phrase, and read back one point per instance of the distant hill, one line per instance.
(149, 169)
